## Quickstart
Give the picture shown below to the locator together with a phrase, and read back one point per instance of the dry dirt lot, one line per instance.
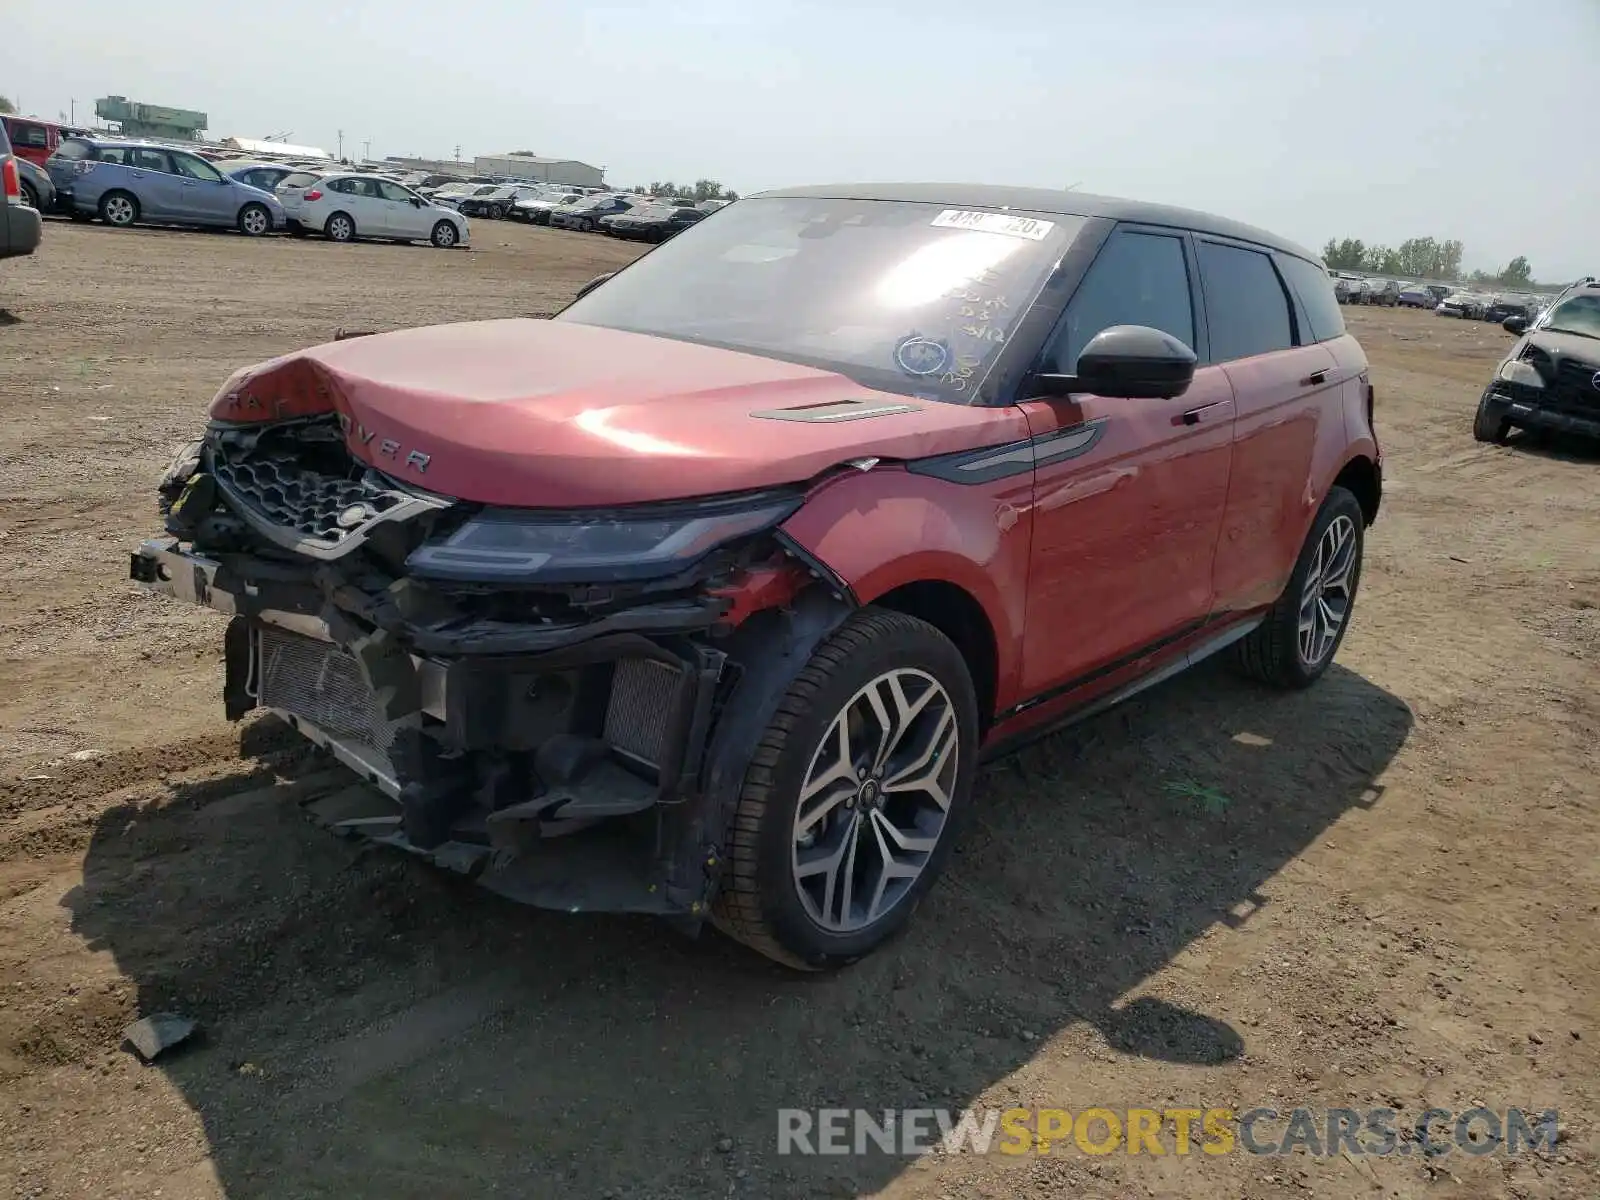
(1383, 891)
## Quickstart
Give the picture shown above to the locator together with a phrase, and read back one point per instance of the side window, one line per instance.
(344, 186)
(1137, 279)
(149, 160)
(195, 168)
(113, 154)
(393, 191)
(1315, 289)
(24, 133)
(1246, 306)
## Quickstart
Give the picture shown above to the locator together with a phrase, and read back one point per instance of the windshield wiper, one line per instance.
(1572, 332)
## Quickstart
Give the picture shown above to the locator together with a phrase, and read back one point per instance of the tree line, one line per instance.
(1420, 258)
(700, 189)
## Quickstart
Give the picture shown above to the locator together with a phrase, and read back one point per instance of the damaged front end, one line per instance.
(559, 704)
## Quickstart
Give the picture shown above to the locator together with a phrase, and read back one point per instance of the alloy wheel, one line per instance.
(875, 800)
(256, 221)
(1329, 589)
(119, 210)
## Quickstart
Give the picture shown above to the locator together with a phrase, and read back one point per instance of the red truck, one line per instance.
(706, 597)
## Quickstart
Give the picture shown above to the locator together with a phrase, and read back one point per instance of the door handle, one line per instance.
(1195, 415)
(1314, 378)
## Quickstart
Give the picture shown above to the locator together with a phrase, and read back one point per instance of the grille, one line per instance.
(303, 488)
(320, 683)
(1574, 385)
(643, 693)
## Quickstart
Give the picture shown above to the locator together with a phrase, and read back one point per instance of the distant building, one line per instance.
(276, 149)
(520, 164)
(432, 166)
(151, 120)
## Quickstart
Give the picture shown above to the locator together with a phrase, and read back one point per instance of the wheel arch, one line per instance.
(958, 614)
(1360, 476)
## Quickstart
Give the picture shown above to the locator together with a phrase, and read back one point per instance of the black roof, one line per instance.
(1047, 200)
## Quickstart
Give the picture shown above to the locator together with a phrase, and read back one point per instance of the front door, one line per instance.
(401, 217)
(204, 194)
(1129, 494)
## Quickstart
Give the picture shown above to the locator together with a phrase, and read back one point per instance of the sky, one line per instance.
(1374, 119)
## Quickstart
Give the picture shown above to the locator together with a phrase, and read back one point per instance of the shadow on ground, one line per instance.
(376, 1029)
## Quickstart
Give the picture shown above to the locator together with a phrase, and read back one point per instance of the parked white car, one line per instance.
(348, 205)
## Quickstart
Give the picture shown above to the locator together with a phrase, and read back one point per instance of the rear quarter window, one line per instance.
(1246, 306)
(74, 148)
(1311, 283)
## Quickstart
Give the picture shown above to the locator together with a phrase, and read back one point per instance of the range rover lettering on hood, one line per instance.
(416, 460)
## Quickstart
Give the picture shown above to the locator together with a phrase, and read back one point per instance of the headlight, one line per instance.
(536, 547)
(1524, 373)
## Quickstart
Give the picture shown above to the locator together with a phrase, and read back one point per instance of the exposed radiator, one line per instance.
(320, 683)
(643, 693)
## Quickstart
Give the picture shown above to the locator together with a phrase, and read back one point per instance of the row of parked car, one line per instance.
(125, 182)
(1448, 300)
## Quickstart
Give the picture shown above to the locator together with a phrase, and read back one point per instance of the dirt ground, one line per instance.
(1385, 893)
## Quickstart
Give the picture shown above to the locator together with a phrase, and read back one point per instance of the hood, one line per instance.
(1562, 346)
(536, 413)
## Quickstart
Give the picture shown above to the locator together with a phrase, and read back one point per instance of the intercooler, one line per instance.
(318, 682)
(322, 685)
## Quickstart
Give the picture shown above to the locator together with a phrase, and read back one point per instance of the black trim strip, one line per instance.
(1233, 628)
(988, 463)
(1111, 668)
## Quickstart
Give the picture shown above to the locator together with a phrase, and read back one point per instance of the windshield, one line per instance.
(1580, 315)
(909, 298)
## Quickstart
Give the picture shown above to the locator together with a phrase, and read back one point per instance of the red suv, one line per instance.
(31, 138)
(706, 597)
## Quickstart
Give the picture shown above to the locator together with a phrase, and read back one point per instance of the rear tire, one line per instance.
(30, 195)
(341, 227)
(255, 220)
(879, 823)
(119, 209)
(1302, 632)
(1487, 426)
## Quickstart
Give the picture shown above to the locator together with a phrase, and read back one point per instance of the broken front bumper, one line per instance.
(568, 778)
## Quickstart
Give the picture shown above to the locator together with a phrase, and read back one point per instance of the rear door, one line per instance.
(150, 177)
(1286, 391)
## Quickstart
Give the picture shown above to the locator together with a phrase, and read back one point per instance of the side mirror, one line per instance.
(1515, 324)
(592, 284)
(416, 202)
(1133, 362)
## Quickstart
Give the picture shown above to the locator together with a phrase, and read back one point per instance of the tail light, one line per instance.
(12, 181)
(314, 194)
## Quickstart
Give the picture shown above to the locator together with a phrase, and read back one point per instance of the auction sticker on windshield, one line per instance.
(993, 222)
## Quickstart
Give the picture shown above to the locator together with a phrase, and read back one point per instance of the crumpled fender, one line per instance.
(880, 529)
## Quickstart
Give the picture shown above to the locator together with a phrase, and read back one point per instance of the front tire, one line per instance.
(496, 212)
(119, 209)
(1302, 632)
(853, 796)
(1489, 425)
(30, 196)
(340, 227)
(255, 220)
(444, 235)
